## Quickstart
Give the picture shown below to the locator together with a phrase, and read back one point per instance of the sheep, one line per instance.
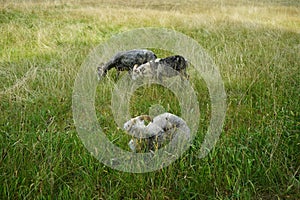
(160, 129)
(168, 67)
(124, 61)
(136, 126)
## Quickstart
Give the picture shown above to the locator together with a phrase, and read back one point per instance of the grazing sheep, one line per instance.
(161, 129)
(168, 67)
(124, 61)
(136, 126)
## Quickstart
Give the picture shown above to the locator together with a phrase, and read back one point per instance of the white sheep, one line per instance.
(166, 67)
(161, 129)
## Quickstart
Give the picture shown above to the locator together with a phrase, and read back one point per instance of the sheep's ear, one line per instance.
(141, 117)
(145, 117)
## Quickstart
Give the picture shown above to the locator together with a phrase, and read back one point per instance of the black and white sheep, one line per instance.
(165, 67)
(161, 129)
(125, 60)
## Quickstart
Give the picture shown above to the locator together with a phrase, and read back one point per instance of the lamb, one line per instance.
(161, 129)
(167, 67)
(124, 61)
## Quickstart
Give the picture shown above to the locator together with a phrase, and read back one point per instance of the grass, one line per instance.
(256, 46)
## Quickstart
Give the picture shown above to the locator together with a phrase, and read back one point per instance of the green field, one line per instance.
(255, 44)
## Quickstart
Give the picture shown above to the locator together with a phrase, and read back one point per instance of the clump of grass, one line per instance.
(257, 49)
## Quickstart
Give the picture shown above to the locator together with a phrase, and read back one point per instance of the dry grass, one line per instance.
(189, 13)
(256, 46)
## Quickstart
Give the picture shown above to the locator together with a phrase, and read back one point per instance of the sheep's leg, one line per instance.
(160, 78)
(130, 73)
(132, 145)
(183, 75)
(152, 144)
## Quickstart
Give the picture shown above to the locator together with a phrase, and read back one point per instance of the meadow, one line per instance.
(255, 44)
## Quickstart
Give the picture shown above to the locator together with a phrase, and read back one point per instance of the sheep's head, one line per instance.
(139, 71)
(136, 126)
(133, 124)
(135, 72)
(132, 145)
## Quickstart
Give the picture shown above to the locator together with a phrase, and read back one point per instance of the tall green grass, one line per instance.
(256, 46)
